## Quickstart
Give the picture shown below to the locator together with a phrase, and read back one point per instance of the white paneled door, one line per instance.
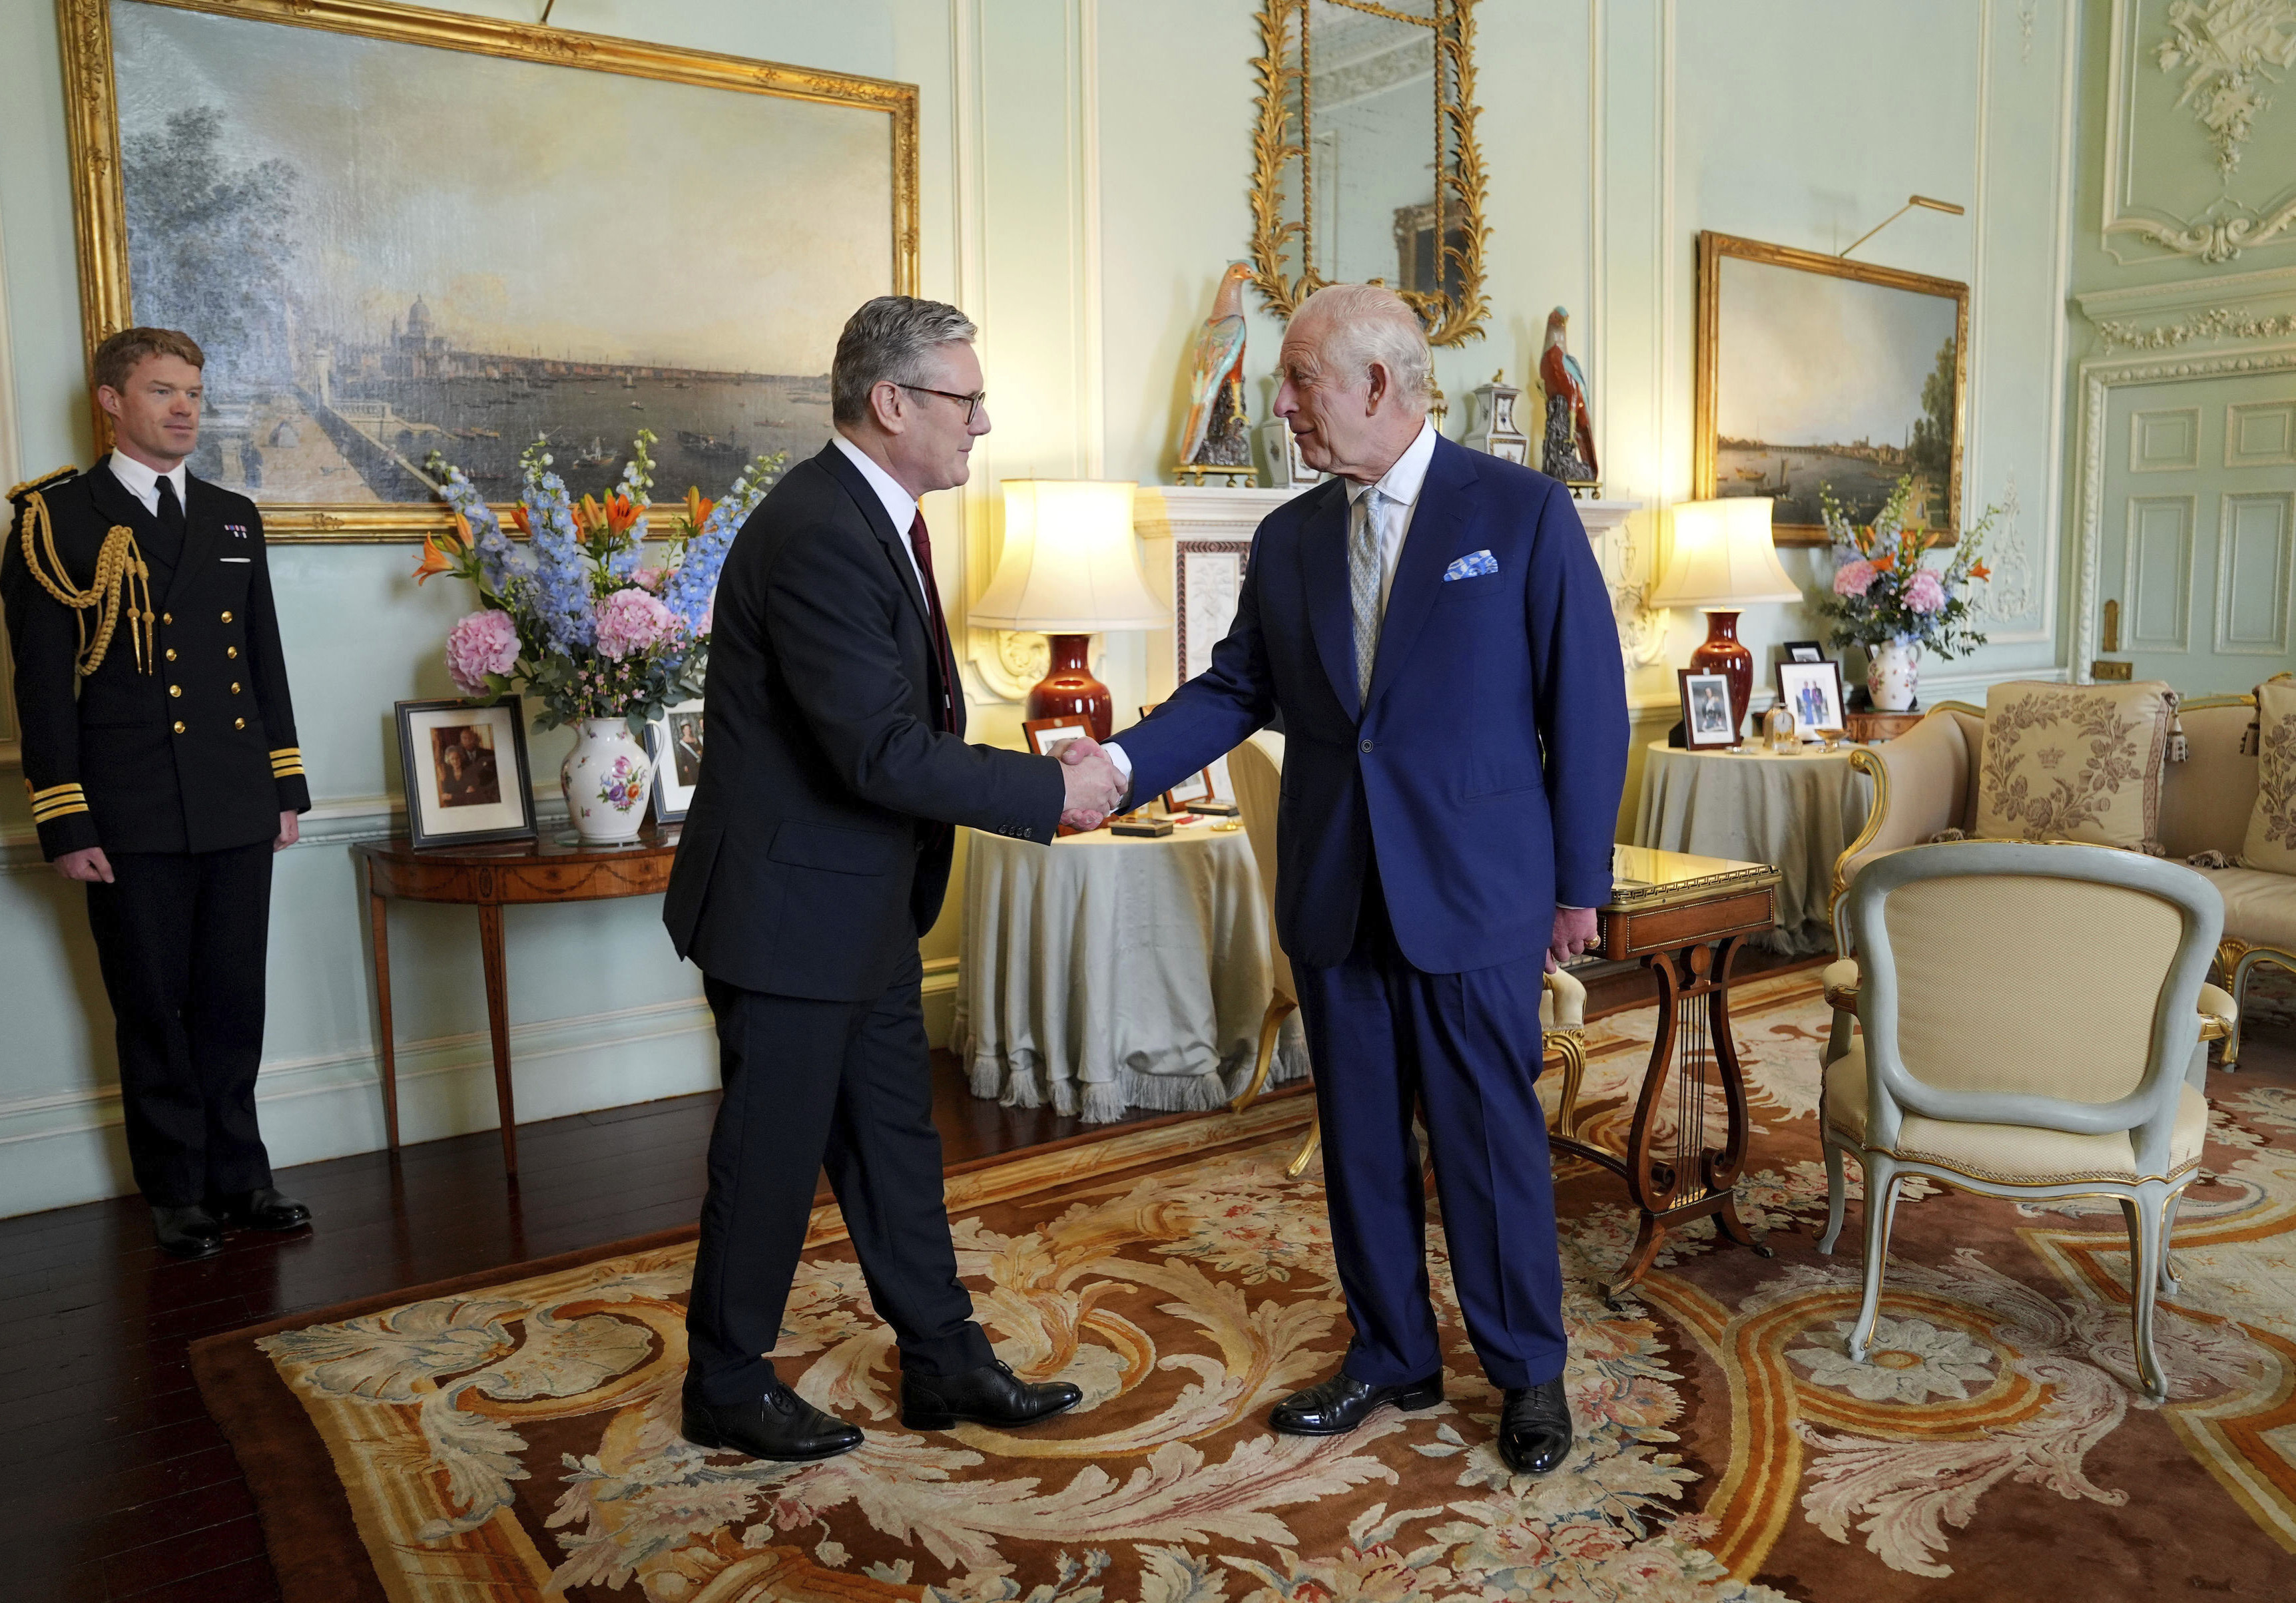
(2198, 548)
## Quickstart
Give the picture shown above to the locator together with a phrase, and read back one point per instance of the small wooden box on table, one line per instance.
(491, 878)
(1685, 917)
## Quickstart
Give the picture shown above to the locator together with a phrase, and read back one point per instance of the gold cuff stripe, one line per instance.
(70, 787)
(286, 751)
(280, 770)
(56, 810)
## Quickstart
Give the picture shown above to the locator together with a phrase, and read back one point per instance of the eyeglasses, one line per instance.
(973, 403)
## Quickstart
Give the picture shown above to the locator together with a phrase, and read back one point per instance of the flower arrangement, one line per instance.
(578, 618)
(1883, 589)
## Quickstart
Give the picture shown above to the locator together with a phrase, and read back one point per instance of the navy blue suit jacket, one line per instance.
(1486, 765)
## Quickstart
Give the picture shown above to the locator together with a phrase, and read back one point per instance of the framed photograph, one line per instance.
(1185, 795)
(1815, 372)
(467, 778)
(1706, 720)
(1046, 734)
(1804, 650)
(674, 742)
(360, 310)
(1812, 693)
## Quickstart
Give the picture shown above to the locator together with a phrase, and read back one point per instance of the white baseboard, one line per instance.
(67, 1147)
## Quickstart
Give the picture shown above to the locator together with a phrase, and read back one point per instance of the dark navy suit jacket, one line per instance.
(1486, 765)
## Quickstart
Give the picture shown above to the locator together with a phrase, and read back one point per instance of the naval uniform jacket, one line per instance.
(199, 753)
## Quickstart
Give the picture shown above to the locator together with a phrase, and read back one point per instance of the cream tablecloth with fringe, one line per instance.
(1797, 812)
(1106, 973)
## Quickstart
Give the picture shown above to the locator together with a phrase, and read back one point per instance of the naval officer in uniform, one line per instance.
(159, 749)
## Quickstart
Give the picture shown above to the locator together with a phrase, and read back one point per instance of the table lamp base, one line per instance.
(1070, 691)
(1723, 654)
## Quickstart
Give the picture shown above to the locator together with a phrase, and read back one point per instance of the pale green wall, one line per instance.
(1083, 165)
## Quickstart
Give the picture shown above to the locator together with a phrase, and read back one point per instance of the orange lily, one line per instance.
(586, 513)
(1979, 570)
(698, 507)
(436, 559)
(517, 516)
(1883, 564)
(621, 513)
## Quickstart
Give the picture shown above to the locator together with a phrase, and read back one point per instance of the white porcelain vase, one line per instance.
(607, 777)
(1893, 674)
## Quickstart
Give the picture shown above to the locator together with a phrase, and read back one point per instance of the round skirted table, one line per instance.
(1796, 810)
(1104, 972)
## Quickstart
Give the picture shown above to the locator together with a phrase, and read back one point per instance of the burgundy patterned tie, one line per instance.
(921, 543)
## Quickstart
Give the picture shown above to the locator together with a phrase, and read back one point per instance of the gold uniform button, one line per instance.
(235, 687)
(179, 726)
(231, 650)
(171, 653)
(166, 618)
(226, 618)
(174, 690)
(239, 723)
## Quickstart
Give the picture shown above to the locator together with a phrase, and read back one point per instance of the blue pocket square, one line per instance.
(1475, 565)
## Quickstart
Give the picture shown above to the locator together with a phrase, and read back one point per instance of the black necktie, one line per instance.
(170, 517)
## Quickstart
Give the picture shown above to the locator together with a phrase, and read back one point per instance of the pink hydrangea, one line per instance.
(483, 643)
(1853, 578)
(1924, 593)
(630, 621)
(649, 579)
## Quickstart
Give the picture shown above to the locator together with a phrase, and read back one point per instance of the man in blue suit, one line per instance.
(1438, 639)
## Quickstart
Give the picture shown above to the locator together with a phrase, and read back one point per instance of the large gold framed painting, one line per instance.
(1817, 374)
(398, 232)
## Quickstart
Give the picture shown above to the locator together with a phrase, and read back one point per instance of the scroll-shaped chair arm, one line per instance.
(2219, 1013)
(1918, 780)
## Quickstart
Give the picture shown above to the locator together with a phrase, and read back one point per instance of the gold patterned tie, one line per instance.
(1364, 542)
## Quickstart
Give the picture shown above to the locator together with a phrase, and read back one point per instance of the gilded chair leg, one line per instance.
(2144, 1219)
(1837, 1189)
(1571, 1050)
(1271, 1025)
(1307, 1153)
(1881, 1208)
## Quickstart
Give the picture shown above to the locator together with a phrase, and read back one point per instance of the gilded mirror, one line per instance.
(1363, 162)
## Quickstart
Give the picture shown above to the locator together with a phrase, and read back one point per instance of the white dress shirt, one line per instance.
(143, 484)
(900, 506)
(1401, 485)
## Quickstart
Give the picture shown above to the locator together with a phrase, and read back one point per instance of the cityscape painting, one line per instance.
(391, 244)
(1816, 374)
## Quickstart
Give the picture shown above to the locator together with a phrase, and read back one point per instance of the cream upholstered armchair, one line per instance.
(2031, 1029)
(1256, 769)
(1928, 779)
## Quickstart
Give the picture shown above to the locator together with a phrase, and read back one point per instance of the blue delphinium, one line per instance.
(561, 571)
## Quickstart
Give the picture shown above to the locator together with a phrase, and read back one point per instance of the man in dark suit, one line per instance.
(1438, 641)
(160, 750)
(815, 854)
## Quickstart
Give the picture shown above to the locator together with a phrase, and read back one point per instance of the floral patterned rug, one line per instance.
(516, 1438)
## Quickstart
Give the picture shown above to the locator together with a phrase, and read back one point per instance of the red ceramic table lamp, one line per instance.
(1070, 569)
(1723, 562)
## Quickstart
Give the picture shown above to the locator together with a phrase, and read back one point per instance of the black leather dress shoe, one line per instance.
(264, 1209)
(1535, 1427)
(781, 1426)
(1333, 1407)
(991, 1394)
(188, 1232)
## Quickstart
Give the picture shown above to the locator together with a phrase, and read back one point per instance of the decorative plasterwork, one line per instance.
(2223, 310)
(2097, 379)
(2230, 50)
(2218, 322)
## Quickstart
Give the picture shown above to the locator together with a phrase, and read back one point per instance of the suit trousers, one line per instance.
(181, 938)
(1466, 1047)
(813, 1085)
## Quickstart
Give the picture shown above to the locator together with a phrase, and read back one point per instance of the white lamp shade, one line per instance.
(1722, 558)
(1070, 565)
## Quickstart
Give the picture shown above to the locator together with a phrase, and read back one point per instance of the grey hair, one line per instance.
(1369, 323)
(886, 340)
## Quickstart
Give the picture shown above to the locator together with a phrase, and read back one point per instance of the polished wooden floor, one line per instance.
(118, 1485)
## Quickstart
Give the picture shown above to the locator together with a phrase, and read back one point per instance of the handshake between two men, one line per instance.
(1094, 788)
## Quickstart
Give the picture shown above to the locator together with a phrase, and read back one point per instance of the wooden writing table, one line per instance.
(1684, 916)
(490, 877)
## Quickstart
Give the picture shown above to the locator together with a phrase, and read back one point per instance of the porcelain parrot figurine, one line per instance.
(1569, 449)
(1216, 433)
